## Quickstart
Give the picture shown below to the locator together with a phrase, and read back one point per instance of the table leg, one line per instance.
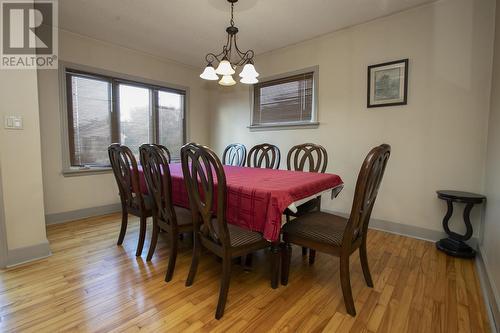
(455, 244)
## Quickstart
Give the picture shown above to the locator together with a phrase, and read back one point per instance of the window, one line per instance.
(103, 110)
(285, 101)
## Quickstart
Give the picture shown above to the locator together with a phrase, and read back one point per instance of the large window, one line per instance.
(285, 101)
(104, 109)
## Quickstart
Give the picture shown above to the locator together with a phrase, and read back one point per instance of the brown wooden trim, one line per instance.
(124, 81)
(115, 113)
(71, 129)
(297, 77)
(155, 115)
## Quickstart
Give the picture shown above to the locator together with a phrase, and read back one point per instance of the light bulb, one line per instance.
(227, 80)
(224, 68)
(209, 73)
(249, 80)
(249, 71)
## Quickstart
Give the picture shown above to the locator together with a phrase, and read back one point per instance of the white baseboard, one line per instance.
(27, 254)
(490, 293)
(82, 213)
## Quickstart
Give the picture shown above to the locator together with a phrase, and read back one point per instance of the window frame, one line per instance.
(115, 79)
(313, 123)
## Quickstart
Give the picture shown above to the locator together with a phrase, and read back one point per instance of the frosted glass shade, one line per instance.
(224, 68)
(249, 80)
(249, 71)
(227, 80)
(209, 73)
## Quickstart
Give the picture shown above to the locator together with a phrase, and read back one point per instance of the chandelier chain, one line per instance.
(232, 15)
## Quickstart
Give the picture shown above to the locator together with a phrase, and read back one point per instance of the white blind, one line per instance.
(285, 100)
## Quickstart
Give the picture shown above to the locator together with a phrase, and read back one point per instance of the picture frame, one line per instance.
(388, 84)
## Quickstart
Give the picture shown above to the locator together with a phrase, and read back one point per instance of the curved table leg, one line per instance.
(455, 244)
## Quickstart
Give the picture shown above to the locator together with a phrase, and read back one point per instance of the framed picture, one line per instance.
(388, 84)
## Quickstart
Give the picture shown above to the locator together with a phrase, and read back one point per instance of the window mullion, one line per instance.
(155, 116)
(115, 110)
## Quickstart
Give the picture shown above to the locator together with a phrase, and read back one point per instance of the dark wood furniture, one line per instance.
(307, 157)
(206, 185)
(339, 236)
(133, 201)
(455, 244)
(235, 154)
(167, 217)
(265, 155)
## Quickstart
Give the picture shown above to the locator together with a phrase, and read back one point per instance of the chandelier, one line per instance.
(230, 59)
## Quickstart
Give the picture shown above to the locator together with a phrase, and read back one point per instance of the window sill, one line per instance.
(283, 126)
(85, 171)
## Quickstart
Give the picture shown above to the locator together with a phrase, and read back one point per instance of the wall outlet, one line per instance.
(14, 122)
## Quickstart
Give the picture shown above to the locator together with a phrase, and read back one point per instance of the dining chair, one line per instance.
(339, 236)
(133, 202)
(235, 154)
(207, 191)
(172, 219)
(312, 158)
(265, 155)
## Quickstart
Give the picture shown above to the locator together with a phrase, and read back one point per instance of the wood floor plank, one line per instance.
(91, 285)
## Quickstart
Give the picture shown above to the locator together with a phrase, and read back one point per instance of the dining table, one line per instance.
(257, 198)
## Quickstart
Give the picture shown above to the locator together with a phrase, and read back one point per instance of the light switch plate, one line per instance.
(14, 122)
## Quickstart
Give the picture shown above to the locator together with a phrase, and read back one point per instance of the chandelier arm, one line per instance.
(240, 53)
(246, 58)
(210, 58)
(231, 43)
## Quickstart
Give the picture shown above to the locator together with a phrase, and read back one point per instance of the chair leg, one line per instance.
(312, 256)
(154, 240)
(304, 251)
(194, 260)
(224, 287)
(286, 257)
(123, 228)
(345, 281)
(142, 236)
(275, 265)
(363, 258)
(173, 255)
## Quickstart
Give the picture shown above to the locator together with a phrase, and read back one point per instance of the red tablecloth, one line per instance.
(257, 198)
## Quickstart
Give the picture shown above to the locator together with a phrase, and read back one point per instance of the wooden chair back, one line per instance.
(310, 155)
(367, 185)
(155, 165)
(206, 186)
(126, 173)
(235, 154)
(265, 155)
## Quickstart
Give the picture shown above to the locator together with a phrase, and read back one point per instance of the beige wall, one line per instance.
(20, 162)
(63, 194)
(490, 247)
(438, 140)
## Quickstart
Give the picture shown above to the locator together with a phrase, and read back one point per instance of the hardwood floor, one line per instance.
(90, 284)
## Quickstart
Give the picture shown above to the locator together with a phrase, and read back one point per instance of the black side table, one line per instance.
(455, 244)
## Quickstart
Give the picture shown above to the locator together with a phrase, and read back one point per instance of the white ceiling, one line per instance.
(185, 30)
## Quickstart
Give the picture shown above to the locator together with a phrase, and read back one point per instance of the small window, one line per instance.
(285, 101)
(103, 109)
(89, 119)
